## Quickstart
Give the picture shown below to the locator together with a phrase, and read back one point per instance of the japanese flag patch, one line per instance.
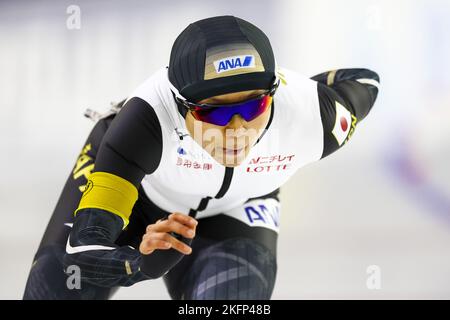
(343, 123)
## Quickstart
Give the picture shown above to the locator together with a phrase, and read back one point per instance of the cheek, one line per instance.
(204, 133)
(212, 133)
(260, 122)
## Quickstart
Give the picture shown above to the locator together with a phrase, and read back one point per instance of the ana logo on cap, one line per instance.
(234, 63)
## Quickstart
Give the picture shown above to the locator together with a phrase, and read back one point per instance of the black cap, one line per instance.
(220, 55)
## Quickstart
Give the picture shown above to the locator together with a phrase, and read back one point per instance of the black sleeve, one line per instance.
(132, 146)
(346, 96)
(91, 247)
(130, 149)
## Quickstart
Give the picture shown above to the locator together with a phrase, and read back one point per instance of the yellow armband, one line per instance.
(111, 193)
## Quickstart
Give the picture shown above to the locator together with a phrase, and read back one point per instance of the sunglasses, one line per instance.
(221, 115)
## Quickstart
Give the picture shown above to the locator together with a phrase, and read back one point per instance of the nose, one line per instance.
(236, 122)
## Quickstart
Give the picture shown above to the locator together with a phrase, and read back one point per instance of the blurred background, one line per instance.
(383, 200)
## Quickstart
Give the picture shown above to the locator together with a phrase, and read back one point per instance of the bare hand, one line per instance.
(158, 235)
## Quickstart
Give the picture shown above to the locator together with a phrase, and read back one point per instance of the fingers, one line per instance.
(162, 240)
(158, 235)
(149, 245)
(176, 222)
(183, 219)
(172, 226)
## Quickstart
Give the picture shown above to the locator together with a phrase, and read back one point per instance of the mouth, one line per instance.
(232, 152)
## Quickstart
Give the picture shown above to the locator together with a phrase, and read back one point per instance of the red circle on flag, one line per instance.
(344, 124)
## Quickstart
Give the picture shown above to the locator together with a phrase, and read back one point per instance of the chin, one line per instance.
(232, 161)
(229, 165)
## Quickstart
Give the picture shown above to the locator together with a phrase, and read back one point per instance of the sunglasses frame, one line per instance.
(192, 106)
